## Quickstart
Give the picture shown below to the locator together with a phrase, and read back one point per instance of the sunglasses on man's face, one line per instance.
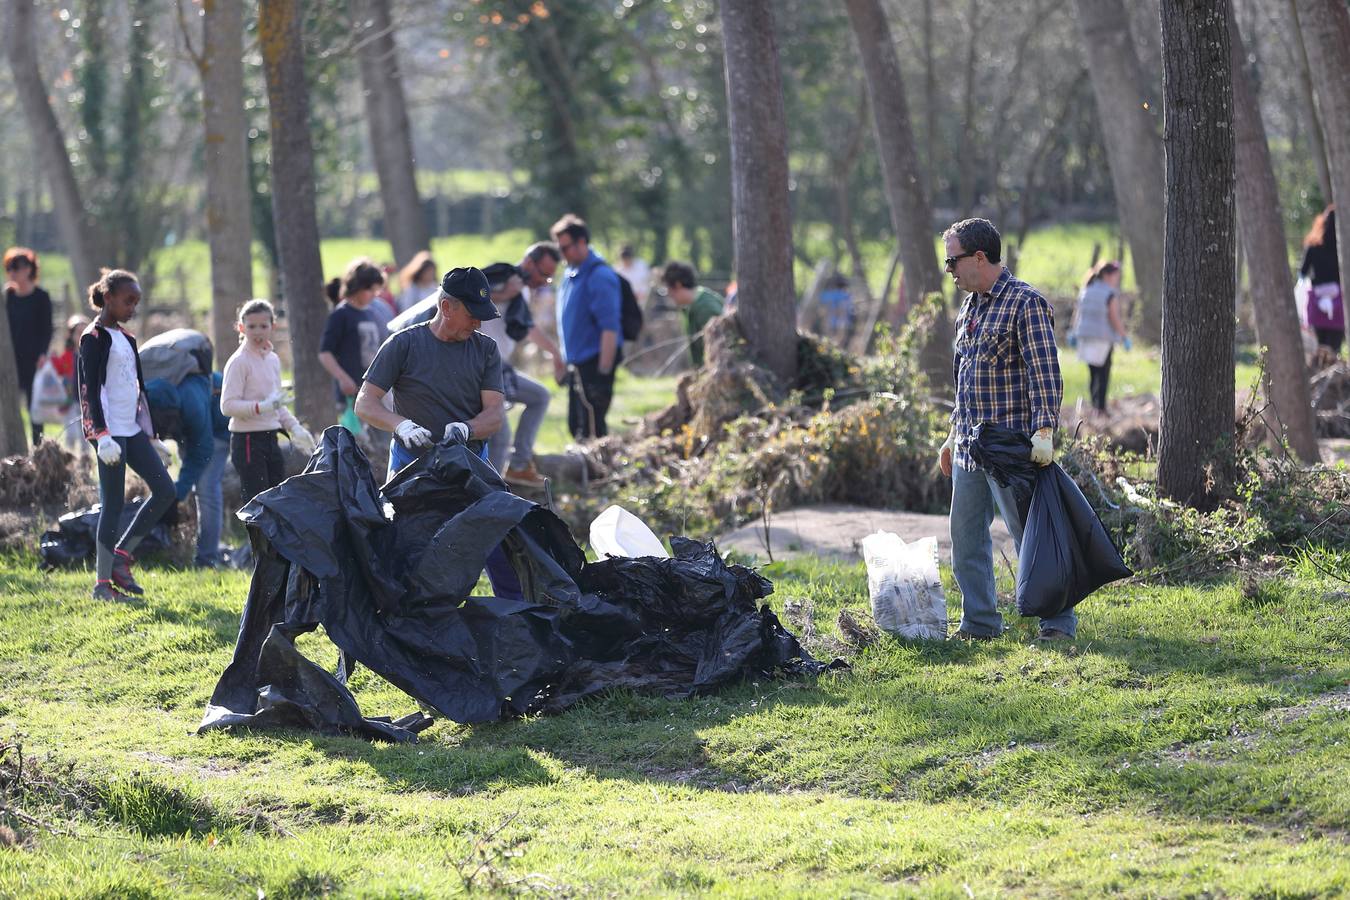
(15, 265)
(951, 261)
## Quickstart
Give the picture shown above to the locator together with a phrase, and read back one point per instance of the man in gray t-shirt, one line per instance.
(446, 377)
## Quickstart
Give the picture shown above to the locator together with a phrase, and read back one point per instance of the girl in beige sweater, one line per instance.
(252, 398)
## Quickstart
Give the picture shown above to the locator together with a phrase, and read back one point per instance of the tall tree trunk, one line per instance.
(1196, 431)
(1303, 82)
(761, 215)
(911, 214)
(1132, 147)
(293, 211)
(229, 226)
(390, 135)
(77, 232)
(13, 436)
(965, 175)
(1276, 317)
(1326, 35)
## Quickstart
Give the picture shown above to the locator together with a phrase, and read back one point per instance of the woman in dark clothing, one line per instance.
(30, 319)
(116, 420)
(1326, 312)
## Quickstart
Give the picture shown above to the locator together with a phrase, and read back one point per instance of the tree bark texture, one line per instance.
(1316, 142)
(1277, 327)
(1132, 147)
(13, 434)
(1196, 431)
(1326, 37)
(761, 216)
(911, 214)
(293, 210)
(77, 232)
(390, 134)
(229, 227)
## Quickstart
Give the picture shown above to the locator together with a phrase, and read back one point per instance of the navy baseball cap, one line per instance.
(470, 287)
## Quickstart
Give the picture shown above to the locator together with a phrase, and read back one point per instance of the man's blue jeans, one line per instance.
(974, 498)
(505, 583)
(210, 505)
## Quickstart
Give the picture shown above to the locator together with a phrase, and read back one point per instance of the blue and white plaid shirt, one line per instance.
(1006, 365)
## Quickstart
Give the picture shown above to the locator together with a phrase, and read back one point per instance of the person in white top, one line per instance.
(252, 398)
(418, 280)
(116, 418)
(635, 269)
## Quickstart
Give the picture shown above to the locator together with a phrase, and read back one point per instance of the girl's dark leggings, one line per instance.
(257, 458)
(1098, 379)
(144, 461)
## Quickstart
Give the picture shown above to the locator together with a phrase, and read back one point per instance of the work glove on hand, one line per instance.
(1127, 343)
(302, 439)
(413, 436)
(1043, 446)
(109, 453)
(456, 433)
(274, 401)
(945, 453)
(165, 454)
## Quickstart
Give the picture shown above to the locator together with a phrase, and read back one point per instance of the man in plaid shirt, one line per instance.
(1006, 368)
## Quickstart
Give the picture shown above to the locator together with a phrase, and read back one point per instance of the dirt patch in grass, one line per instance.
(209, 769)
(1337, 701)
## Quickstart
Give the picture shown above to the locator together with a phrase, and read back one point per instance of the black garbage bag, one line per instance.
(393, 595)
(1065, 553)
(72, 542)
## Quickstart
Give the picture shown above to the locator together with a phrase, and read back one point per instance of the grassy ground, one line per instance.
(1190, 744)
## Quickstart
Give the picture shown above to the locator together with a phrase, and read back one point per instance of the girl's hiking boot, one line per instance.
(121, 573)
(104, 590)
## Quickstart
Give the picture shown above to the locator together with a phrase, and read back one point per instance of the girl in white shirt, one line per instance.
(116, 419)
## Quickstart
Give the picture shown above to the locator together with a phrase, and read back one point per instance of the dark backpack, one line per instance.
(630, 313)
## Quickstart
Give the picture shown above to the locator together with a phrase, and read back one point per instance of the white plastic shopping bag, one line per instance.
(907, 596)
(617, 532)
(51, 403)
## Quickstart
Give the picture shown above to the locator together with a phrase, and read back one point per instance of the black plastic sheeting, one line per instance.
(74, 540)
(394, 595)
(1066, 553)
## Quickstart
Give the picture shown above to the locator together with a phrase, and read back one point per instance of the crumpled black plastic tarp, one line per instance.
(1066, 553)
(393, 595)
(73, 541)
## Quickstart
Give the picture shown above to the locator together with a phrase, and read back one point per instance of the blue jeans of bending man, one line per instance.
(505, 582)
(534, 397)
(211, 505)
(975, 496)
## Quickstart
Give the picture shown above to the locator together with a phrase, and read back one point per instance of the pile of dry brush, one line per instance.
(737, 444)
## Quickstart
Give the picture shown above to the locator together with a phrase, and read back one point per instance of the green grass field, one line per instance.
(1193, 743)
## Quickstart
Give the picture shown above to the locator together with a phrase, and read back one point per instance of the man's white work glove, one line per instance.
(302, 439)
(413, 436)
(165, 454)
(109, 453)
(1043, 446)
(456, 433)
(945, 454)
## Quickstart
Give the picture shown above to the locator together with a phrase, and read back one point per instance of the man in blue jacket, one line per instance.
(589, 312)
(189, 413)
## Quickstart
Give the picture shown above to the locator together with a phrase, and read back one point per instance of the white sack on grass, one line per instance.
(907, 597)
(617, 532)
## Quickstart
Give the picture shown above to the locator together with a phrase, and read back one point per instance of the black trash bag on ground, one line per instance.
(1066, 553)
(72, 542)
(393, 595)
